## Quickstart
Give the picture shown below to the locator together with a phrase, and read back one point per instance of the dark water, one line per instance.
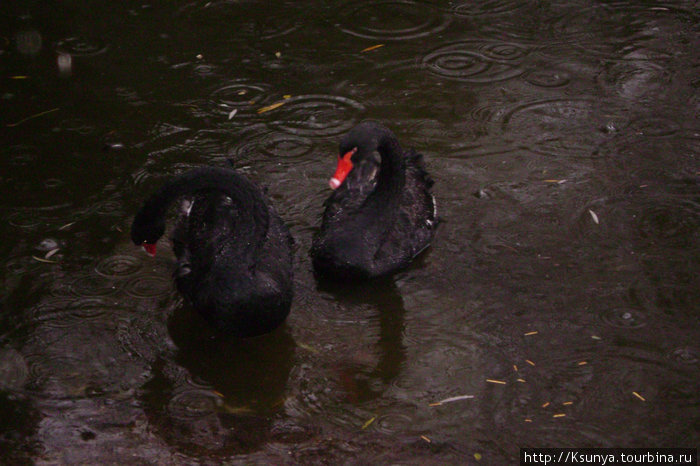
(564, 140)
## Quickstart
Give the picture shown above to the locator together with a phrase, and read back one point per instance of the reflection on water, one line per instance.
(557, 306)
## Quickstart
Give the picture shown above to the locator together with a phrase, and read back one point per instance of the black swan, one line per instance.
(381, 214)
(234, 260)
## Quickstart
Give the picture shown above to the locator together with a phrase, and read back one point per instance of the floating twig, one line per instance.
(451, 399)
(270, 107)
(369, 49)
(37, 115)
(46, 261)
(368, 423)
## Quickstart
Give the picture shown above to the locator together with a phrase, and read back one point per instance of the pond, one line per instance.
(558, 305)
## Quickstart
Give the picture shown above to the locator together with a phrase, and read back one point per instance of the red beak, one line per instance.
(341, 172)
(150, 248)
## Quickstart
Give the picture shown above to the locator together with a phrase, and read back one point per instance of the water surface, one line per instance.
(561, 293)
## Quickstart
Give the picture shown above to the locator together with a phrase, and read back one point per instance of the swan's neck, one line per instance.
(392, 173)
(241, 191)
(382, 205)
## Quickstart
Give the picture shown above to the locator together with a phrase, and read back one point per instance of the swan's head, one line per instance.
(358, 145)
(146, 234)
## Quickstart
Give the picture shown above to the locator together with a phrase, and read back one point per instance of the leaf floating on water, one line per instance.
(233, 113)
(287, 96)
(477, 456)
(531, 333)
(426, 438)
(545, 405)
(368, 423)
(270, 107)
(369, 49)
(567, 403)
(501, 382)
(583, 363)
(521, 380)
(278, 54)
(559, 415)
(529, 362)
(639, 396)
(46, 261)
(594, 216)
(19, 77)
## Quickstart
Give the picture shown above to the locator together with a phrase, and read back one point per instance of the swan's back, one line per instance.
(234, 260)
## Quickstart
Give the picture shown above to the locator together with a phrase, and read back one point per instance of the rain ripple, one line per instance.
(66, 313)
(634, 79)
(235, 101)
(671, 219)
(548, 78)
(118, 266)
(624, 318)
(147, 286)
(685, 355)
(559, 127)
(13, 370)
(477, 61)
(317, 115)
(391, 19)
(81, 47)
(627, 26)
(91, 286)
(271, 144)
(487, 7)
